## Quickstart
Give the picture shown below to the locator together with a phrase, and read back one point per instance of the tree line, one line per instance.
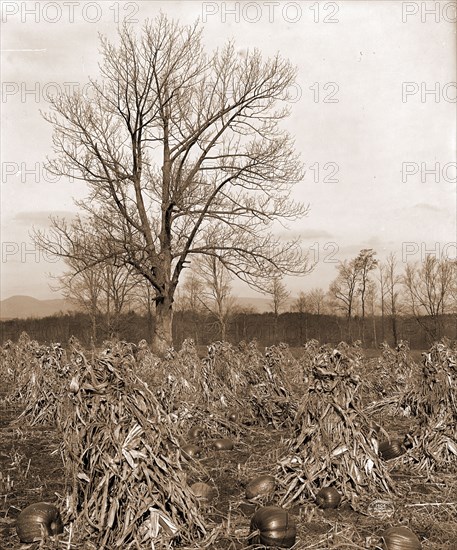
(369, 300)
(292, 328)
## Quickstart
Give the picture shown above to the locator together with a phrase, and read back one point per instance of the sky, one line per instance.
(373, 117)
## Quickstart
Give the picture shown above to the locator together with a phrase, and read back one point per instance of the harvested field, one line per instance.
(241, 394)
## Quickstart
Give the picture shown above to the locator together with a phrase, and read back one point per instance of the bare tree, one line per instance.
(83, 287)
(302, 303)
(302, 306)
(119, 283)
(216, 296)
(382, 279)
(371, 291)
(364, 264)
(429, 288)
(393, 282)
(317, 301)
(175, 145)
(188, 296)
(279, 295)
(343, 289)
(278, 300)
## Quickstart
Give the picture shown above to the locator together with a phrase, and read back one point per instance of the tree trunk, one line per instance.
(162, 336)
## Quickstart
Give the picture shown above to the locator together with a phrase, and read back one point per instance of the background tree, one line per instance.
(174, 145)
(382, 280)
(364, 264)
(278, 295)
(189, 293)
(83, 287)
(215, 295)
(429, 289)
(393, 283)
(343, 290)
(317, 301)
(301, 304)
(278, 301)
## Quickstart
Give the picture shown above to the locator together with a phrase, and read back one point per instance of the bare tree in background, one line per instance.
(216, 296)
(104, 291)
(83, 287)
(278, 300)
(343, 290)
(189, 293)
(278, 295)
(302, 306)
(317, 301)
(175, 145)
(382, 279)
(370, 294)
(364, 264)
(394, 286)
(119, 284)
(429, 288)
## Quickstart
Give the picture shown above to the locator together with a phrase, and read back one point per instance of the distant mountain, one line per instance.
(21, 307)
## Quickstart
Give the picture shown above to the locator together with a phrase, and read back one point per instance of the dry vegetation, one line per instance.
(102, 434)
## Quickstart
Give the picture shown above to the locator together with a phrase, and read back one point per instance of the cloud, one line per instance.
(316, 234)
(30, 217)
(429, 207)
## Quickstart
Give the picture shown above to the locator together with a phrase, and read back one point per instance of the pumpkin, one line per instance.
(233, 416)
(391, 449)
(328, 497)
(191, 451)
(222, 444)
(399, 538)
(203, 491)
(195, 432)
(273, 526)
(260, 486)
(37, 520)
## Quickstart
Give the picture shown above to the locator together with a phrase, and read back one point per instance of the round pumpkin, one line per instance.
(391, 449)
(222, 444)
(400, 538)
(273, 526)
(260, 486)
(195, 432)
(203, 491)
(37, 520)
(191, 451)
(328, 497)
(233, 416)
